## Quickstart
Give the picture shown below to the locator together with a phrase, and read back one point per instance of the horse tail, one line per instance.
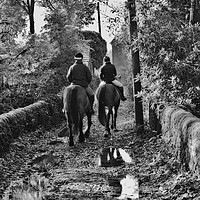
(101, 109)
(73, 106)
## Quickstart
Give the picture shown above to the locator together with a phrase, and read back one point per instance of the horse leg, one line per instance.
(107, 128)
(112, 122)
(89, 119)
(71, 139)
(81, 136)
(115, 118)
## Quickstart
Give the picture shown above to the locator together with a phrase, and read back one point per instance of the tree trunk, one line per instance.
(99, 18)
(135, 65)
(192, 7)
(32, 24)
(31, 15)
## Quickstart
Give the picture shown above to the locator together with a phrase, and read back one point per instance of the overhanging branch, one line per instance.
(23, 5)
(50, 5)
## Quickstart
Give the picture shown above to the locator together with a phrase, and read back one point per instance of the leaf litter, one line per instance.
(37, 168)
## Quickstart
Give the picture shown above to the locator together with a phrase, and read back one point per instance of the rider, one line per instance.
(108, 74)
(79, 74)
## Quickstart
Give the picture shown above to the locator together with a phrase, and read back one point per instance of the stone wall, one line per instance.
(45, 113)
(181, 130)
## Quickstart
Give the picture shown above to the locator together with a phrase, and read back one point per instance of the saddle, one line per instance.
(119, 89)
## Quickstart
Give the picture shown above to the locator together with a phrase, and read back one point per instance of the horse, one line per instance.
(108, 98)
(76, 105)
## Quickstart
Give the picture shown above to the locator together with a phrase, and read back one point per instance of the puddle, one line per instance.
(114, 184)
(113, 157)
(124, 187)
(130, 188)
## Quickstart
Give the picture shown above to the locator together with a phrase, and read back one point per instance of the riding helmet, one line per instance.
(78, 56)
(106, 59)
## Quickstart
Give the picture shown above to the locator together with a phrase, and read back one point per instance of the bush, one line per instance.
(169, 51)
(97, 45)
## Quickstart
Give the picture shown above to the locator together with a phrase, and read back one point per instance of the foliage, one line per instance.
(183, 9)
(77, 174)
(64, 21)
(34, 70)
(15, 15)
(26, 71)
(33, 189)
(97, 45)
(65, 38)
(117, 19)
(75, 13)
(169, 53)
(169, 50)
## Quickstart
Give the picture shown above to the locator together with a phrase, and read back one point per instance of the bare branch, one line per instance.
(23, 5)
(22, 52)
(31, 6)
(50, 5)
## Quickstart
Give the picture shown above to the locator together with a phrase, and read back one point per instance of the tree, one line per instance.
(169, 55)
(169, 50)
(135, 64)
(15, 16)
(28, 6)
(188, 10)
(77, 13)
(64, 21)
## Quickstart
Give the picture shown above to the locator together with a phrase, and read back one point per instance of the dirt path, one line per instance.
(79, 175)
(74, 173)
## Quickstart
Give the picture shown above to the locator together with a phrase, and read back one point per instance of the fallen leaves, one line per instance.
(73, 173)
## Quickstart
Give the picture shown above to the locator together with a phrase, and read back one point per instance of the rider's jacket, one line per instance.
(108, 72)
(79, 74)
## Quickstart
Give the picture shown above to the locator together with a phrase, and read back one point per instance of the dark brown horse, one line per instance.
(108, 103)
(76, 105)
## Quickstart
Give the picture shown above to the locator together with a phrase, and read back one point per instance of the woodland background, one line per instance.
(167, 37)
(168, 40)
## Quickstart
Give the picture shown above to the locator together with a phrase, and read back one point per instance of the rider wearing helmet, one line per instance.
(79, 74)
(108, 74)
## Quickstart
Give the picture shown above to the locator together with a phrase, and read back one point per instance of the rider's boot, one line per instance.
(121, 89)
(91, 99)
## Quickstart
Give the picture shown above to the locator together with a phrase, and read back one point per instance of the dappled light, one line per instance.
(130, 188)
(100, 168)
(137, 141)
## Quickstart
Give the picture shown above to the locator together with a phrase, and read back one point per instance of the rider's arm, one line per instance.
(69, 75)
(89, 75)
(101, 75)
(115, 71)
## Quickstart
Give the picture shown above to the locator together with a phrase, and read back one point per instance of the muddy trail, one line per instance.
(39, 165)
